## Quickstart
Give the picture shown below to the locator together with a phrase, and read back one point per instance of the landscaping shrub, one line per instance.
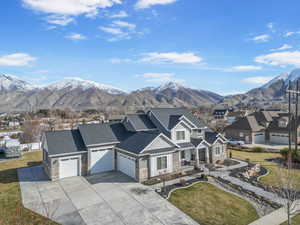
(257, 149)
(182, 182)
(284, 153)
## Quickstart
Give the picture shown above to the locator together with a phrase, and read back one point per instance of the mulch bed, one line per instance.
(167, 177)
(164, 192)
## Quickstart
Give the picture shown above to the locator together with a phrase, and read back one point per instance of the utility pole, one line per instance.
(292, 116)
(296, 117)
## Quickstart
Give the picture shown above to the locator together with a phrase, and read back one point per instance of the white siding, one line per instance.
(159, 143)
(153, 165)
(181, 127)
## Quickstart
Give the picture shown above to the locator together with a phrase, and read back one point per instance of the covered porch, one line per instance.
(194, 157)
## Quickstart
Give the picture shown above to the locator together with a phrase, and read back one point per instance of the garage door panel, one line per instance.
(68, 167)
(126, 165)
(279, 139)
(102, 161)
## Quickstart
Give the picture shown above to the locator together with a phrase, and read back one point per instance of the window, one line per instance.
(161, 163)
(218, 151)
(182, 154)
(241, 134)
(180, 135)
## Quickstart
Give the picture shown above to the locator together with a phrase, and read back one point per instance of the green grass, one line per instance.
(11, 210)
(260, 158)
(209, 205)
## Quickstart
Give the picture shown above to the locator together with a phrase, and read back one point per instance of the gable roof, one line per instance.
(64, 141)
(140, 122)
(246, 123)
(169, 117)
(211, 137)
(97, 134)
(138, 141)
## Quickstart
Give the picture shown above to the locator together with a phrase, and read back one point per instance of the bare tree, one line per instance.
(31, 131)
(288, 189)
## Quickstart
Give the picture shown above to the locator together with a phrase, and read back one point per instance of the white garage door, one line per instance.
(102, 160)
(259, 138)
(279, 138)
(126, 165)
(69, 167)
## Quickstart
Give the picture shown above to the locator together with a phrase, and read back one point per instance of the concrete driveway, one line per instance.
(111, 198)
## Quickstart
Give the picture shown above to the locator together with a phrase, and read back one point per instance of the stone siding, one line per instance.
(142, 169)
(176, 162)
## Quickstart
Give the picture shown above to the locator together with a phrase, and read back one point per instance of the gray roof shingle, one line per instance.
(97, 134)
(62, 142)
(169, 117)
(138, 141)
(140, 122)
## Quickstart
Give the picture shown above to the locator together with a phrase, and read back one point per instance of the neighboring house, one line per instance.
(220, 114)
(260, 128)
(246, 129)
(234, 116)
(278, 130)
(144, 145)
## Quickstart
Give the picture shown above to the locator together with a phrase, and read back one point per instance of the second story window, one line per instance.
(180, 135)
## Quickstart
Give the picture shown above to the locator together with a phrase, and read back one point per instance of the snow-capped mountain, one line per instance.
(286, 77)
(12, 83)
(79, 94)
(169, 85)
(272, 92)
(74, 83)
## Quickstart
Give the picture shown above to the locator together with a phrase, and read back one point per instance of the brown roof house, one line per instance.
(246, 129)
(278, 130)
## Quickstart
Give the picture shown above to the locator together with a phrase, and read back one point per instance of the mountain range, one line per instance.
(79, 94)
(273, 91)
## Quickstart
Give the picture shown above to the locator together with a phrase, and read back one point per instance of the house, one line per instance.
(234, 116)
(246, 129)
(261, 127)
(278, 130)
(220, 113)
(144, 145)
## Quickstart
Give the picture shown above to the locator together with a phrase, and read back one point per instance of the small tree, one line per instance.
(31, 131)
(288, 189)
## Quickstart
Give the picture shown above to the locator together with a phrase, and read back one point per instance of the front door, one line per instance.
(202, 154)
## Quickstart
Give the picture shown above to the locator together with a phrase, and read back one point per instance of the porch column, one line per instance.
(197, 157)
(207, 155)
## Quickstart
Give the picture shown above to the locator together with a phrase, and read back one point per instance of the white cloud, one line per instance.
(76, 37)
(70, 7)
(66, 9)
(292, 33)
(16, 59)
(243, 68)
(120, 30)
(257, 80)
(142, 4)
(112, 30)
(261, 38)
(121, 14)
(59, 20)
(120, 23)
(172, 57)
(283, 47)
(160, 77)
(280, 58)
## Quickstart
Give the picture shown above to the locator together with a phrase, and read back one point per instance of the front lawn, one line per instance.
(11, 209)
(209, 205)
(260, 158)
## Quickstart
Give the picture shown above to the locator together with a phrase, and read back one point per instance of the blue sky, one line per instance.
(226, 46)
